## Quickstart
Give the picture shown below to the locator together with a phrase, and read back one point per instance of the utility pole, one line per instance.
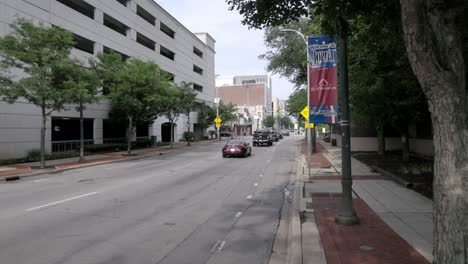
(216, 100)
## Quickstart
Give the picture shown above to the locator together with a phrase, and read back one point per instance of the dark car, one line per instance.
(285, 133)
(236, 148)
(280, 136)
(274, 136)
(262, 138)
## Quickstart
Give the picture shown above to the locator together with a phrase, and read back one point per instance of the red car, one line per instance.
(236, 148)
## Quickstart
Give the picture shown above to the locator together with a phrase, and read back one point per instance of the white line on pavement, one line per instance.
(255, 184)
(261, 175)
(41, 180)
(62, 201)
(221, 246)
(249, 197)
(215, 246)
(238, 214)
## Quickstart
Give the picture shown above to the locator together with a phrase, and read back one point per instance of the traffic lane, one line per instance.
(116, 219)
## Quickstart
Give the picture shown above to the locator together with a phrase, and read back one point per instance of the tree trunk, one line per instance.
(381, 140)
(43, 137)
(129, 135)
(405, 147)
(435, 50)
(82, 158)
(188, 128)
(172, 133)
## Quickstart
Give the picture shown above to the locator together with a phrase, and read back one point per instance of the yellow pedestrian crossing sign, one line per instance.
(218, 125)
(218, 120)
(305, 113)
(309, 125)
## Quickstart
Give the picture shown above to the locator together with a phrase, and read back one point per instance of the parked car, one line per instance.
(279, 135)
(285, 133)
(274, 136)
(262, 138)
(236, 148)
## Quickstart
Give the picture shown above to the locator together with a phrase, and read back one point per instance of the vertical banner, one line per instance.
(323, 99)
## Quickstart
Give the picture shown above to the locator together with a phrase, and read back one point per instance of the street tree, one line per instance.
(37, 54)
(434, 34)
(177, 100)
(135, 89)
(285, 122)
(187, 100)
(206, 115)
(268, 121)
(227, 112)
(82, 85)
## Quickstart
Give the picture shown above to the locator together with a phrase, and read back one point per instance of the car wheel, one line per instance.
(224, 156)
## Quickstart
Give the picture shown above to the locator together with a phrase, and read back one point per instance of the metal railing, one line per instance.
(69, 145)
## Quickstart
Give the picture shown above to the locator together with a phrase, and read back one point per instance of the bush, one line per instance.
(105, 147)
(142, 143)
(160, 143)
(62, 155)
(33, 155)
(189, 136)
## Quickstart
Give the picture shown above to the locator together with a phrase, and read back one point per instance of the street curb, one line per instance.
(392, 177)
(295, 228)
(57, 171)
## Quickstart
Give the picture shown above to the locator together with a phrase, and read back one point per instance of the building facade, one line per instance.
(133, 28)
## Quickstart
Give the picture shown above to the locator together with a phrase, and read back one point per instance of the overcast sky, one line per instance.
(237, 47)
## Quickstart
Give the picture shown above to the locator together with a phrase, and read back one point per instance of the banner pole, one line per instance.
(309, 138)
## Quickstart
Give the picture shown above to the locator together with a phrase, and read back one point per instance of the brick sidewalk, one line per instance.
(371, 241)
(317, 160)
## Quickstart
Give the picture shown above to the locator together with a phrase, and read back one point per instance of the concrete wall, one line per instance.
(20, 122)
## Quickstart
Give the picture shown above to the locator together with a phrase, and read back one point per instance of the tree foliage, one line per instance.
(285, 122)
(206, 115)
(38, 55)
(227, 112)
(269, 121)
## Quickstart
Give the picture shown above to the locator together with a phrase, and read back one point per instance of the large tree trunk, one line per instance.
(82, 158)
(405, 146)
(129, 135)
(435, 50)
(43, 136)
(172, 133)
(381, 140)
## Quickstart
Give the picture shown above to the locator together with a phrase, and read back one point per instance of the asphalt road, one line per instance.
(189, 206)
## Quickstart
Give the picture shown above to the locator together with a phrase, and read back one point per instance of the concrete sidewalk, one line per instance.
(32, 168)
(395, 222)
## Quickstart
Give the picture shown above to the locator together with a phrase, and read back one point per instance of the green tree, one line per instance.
(206, 115)
(136, 89)
(177, 100)
(187, 100)
(434, 34)
(40, 54)
(82, 84)
(227, 112)
(268, 121)
(285, 122)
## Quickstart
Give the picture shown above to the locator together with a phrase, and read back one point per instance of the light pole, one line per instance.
(309, 134)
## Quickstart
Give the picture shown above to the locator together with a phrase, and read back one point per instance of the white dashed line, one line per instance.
(62, 201)
(249, 197)
(255, 184)
(221, 246)
(41, 180)
(215, 246)
(261, 175)
(238, 214)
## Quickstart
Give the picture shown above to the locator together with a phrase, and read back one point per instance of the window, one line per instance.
(83, 44)
(198, 87)
(167, 30)
(80, 6)
(167, 53)
(147, 42)
(114, 24)
(197, 69)
(198, 52)
(248, 81)
(108, 50)
(146, 15)
(123, 2)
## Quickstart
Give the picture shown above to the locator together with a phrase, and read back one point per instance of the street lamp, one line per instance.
(309, 134)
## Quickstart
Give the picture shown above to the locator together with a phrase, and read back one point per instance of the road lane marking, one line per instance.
(221, 246)
(255, 184)
(62, 201)
(238, 214)
(261, 175)
(249, 197)
(215, 246)
(41, 180)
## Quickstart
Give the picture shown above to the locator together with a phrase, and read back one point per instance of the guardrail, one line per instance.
(69, 145)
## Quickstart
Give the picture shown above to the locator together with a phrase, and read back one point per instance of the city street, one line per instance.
(188, 206)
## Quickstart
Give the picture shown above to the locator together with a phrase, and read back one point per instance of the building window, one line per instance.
(146, 15)
(114, 24)
(80, 6)
(198, 52)
(123, 2)
(83, 44)
(166, 53)
(197, 69)
(168, 31)
(198, 87)
(108, 50)
(147, 42)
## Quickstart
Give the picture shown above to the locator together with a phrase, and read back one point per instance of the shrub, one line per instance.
(160, 143)
(189, 136)
(142, 143)
(62, 155)
(105, 147)
(34, 155)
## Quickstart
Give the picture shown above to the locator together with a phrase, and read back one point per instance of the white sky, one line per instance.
(237, 47)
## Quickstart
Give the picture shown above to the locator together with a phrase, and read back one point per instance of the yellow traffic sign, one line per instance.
(309, 125)
(305, 113)
(218, 120)
(218, 125)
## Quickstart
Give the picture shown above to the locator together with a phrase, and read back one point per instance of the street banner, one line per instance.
(323, 93)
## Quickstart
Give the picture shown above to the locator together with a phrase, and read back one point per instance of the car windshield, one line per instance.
(235, 142)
